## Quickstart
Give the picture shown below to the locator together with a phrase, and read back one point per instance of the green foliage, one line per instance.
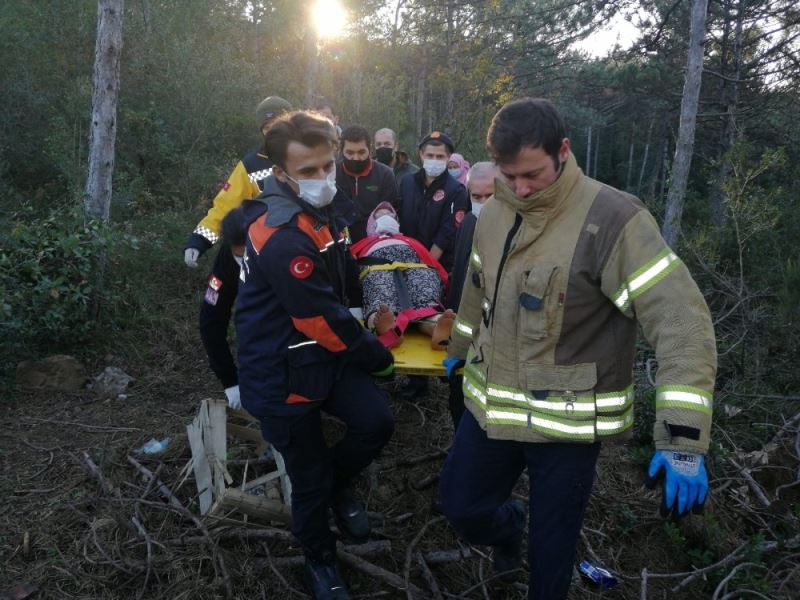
(48, 271)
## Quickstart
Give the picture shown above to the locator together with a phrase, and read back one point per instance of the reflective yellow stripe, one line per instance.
(645, 277)
(552, 427)
(462, 327)
(614, 425)
(558, 404)
(472, 371)
(683, 396)
(391, 267)
(614, 401)
(475, 258)
(472, 391)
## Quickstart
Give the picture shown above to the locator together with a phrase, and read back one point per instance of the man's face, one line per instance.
(532, 169)
(355, 150)
(303, 162)
(431, 152)
(480, 190)
(384, 140)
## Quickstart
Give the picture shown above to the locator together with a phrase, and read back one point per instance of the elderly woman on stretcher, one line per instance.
(401, 282)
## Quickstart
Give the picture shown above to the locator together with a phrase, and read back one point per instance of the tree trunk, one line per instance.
(421, 102)
(596, 154)
(630, 166)
(644, 159)
(588, 165)
(312, 68)
(103, 132)
(685, 143)
(730, 101)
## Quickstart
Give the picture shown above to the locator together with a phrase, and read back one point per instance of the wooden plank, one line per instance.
(201, 468)
(252, 506)
(286, 484)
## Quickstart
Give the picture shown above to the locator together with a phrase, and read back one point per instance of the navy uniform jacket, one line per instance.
(366, 190)
(432, 215)
(294, 329)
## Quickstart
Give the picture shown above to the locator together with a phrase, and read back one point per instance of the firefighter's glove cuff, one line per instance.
(190, 256)
(386, 372)
(232, 394)
(684, 479)
(451, 365)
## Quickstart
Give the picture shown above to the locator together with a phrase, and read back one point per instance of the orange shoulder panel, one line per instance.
(259, 233)
(317, 328)
(315, 230)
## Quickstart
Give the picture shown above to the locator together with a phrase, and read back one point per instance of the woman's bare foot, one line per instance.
(441, 333)
(384, 319)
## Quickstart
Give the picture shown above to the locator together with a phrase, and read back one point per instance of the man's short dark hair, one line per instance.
(355, 133)
(527, 122)
(304, 127)
(234, 231)
(321, 103)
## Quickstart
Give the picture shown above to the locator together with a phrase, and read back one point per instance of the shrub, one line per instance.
(47, 277)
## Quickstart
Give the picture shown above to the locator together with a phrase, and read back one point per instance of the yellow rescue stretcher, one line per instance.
(415, 355)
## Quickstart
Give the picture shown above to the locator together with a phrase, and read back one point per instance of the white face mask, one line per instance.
(387, 224)
(476, 208)
(317, 192)
(434, 168)
(456, 173)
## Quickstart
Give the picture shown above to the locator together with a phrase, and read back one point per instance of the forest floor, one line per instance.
(67, 537)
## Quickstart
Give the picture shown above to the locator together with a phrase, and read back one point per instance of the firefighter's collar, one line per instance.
(543, 200)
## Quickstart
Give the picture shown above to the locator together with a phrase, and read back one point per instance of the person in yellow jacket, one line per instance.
(244, 183)
(563, 270)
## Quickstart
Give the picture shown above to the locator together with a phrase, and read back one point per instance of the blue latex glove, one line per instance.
(451, 365)
(685, 481)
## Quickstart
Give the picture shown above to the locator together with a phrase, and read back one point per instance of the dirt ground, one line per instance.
(67, 538)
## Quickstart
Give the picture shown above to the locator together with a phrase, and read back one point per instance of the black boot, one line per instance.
(507, 557)
(322, 577)
(415, 389)
(350, 516)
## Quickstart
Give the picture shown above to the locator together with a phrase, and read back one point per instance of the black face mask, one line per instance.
(384, 155)
(356, 166)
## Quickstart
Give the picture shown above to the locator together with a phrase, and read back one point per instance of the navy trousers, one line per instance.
(476, 484)
(316, 470)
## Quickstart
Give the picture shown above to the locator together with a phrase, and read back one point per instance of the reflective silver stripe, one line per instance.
(463, 328)
(576, 430)
(327, 246)
(615, 399)
(640, 282)
(308, 343)
(608, 425)
(579, 404)
(474, 393)
(683, 397)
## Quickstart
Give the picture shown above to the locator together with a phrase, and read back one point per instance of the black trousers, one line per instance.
(215, 315)
(316, 470)
(476, 484)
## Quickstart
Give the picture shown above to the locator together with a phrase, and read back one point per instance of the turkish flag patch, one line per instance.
(459, 217)
(214, 283)
(226, 186)
(301, 267)
(438, 195)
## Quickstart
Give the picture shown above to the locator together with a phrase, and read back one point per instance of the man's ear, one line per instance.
(563, 152)
(279, 174)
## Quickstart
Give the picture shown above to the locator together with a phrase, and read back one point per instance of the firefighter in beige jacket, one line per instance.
(562, 270)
